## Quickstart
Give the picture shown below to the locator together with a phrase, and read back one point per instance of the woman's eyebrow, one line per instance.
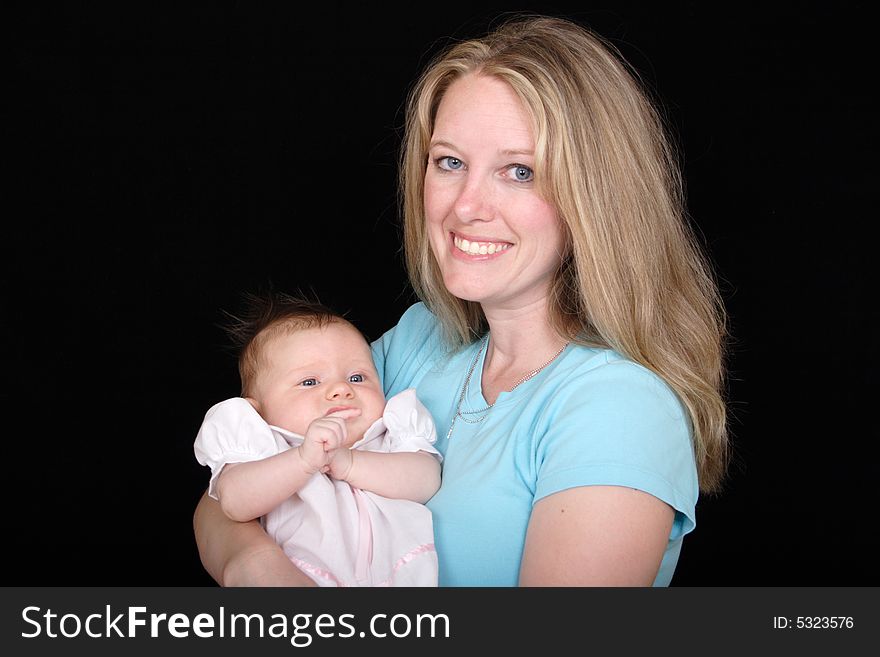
(518, 151)
(506, 152)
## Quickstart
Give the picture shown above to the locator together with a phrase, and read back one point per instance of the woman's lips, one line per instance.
(476, 246)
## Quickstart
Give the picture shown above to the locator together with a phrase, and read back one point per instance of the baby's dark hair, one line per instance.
(264, 316)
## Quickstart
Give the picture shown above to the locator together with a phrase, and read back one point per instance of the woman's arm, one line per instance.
(401, 475)
(241, 553)
(596, 536)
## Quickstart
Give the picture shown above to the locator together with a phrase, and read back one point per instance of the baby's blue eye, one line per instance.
(449, 163)
(522, 173)
(356, 378)
(309, 382)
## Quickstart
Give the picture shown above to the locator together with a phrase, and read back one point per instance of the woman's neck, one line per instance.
(521, 340)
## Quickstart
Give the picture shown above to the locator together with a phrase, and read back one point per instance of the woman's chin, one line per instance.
(465, 288)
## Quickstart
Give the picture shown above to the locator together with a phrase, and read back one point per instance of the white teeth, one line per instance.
(479, 248)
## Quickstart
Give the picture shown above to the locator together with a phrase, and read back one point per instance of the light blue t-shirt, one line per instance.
(591, 417)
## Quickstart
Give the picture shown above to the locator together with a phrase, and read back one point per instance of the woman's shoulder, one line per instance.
(416, 328)
(613, 381)
(404, 352)
(418, 318)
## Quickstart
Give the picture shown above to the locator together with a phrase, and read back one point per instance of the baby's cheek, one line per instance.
(295, 422)
(358, 428)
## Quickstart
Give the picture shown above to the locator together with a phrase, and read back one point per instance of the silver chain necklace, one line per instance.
(467, 380)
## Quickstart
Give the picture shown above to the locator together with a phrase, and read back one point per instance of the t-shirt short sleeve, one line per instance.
(621, 425)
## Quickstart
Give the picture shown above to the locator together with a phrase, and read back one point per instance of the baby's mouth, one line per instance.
(337, 409)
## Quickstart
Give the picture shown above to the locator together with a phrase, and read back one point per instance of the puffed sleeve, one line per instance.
(233, 432)
(408, 427)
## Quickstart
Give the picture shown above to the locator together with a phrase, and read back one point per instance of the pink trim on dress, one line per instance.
(315, 571)
(364, 556)
(405, 559)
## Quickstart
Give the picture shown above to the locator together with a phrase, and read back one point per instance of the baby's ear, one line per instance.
(253, 402)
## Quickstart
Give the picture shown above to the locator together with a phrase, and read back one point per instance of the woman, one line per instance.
(569, 343)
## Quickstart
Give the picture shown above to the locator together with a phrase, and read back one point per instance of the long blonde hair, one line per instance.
(634, 278)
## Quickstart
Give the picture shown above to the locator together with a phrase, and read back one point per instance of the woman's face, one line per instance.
(496, 240)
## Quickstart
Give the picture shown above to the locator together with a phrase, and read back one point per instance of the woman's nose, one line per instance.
(474, 201)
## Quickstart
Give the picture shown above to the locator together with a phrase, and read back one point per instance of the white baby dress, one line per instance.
(337, 534)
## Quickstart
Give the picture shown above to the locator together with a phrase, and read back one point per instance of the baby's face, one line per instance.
(317, 371)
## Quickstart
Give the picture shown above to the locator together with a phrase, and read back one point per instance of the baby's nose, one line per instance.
(340, 390)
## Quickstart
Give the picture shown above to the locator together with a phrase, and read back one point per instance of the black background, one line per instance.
(159, 161)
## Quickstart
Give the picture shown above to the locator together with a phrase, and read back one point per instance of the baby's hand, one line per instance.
(340, 464)
(323, 437)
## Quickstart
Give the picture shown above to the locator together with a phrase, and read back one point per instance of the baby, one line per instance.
(337, 476)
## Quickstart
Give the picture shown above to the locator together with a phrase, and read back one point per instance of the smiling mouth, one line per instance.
(479, 248)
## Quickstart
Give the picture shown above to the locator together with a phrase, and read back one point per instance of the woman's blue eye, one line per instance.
(309, 382)
(522, 173)
(449, 163)
(356, 378)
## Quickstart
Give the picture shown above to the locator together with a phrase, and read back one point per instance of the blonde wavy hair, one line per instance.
(634, 278)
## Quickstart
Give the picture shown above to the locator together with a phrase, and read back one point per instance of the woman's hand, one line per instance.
(263, 566)
(241, 553)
